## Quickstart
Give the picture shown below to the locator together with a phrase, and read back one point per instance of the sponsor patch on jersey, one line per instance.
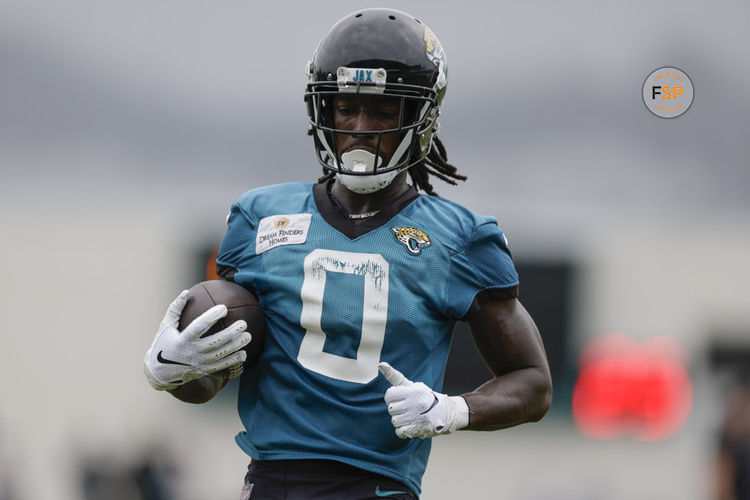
(277, 230)
(413, 239)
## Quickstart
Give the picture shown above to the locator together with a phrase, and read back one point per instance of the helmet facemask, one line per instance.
(417, 114)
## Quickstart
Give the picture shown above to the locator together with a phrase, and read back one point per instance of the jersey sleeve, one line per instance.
(239, 240)
(485, 263)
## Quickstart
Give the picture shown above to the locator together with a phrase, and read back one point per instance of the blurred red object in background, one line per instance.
(628, 387)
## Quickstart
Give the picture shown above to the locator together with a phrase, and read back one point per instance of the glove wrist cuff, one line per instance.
(461, 413)
(156, 383)
(162, 386)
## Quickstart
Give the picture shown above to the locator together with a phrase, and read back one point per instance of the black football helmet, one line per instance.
(377, 52)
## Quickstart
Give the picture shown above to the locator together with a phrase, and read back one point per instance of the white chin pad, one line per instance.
(360, 160)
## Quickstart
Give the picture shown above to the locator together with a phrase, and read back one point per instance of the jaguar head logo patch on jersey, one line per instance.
(413, 239)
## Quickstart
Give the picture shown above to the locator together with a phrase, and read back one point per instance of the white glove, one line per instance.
(418, 411)
(176, 358)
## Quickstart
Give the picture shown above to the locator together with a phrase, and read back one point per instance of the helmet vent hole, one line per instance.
(417, 20)
(359, 15)
(392, 17)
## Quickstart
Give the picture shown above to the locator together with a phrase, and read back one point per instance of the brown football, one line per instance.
(241, 304)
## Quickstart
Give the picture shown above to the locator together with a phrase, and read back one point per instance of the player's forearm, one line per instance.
(509, 342)
(200, 390)
(511, 399)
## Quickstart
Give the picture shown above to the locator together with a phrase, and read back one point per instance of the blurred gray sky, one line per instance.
(544, 102)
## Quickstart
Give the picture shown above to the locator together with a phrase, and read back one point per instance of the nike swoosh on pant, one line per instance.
(382, 493)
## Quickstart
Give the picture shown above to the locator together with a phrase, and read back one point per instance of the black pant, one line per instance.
(318, 479)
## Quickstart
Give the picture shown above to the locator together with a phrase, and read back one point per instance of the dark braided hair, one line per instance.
(435, 163)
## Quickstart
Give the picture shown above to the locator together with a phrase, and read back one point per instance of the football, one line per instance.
(241, 304)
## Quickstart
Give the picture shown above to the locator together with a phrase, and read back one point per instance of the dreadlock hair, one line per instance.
(435, 163)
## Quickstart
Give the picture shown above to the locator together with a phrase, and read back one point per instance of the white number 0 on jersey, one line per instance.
(374, 268)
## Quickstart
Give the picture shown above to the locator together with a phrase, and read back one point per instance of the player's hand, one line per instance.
(176, 358)
(418, 411)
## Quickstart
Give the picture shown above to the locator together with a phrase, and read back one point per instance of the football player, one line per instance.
(362, 279)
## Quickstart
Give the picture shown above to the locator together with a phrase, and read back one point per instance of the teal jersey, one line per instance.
(339, 298)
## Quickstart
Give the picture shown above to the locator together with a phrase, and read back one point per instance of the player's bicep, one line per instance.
(505, 334)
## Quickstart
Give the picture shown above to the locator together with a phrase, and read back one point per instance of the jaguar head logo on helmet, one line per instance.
(385, 59)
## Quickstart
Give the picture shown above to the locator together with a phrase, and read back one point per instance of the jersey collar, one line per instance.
(337, 217)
